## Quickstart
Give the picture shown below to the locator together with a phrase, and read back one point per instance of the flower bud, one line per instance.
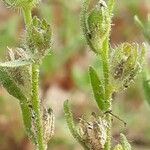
(38, 39)
(98, 24)
(94, 133)
(127, 60)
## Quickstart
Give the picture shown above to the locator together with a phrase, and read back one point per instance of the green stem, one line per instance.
(36, 107)
(106, 72)
(108, 92)
(108, 142)
(27, 15)
(35, 90)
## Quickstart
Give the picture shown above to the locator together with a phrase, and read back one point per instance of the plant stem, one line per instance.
(35, 90)
(108, 86)
(108, 92)
(27, 15)
(36, 107)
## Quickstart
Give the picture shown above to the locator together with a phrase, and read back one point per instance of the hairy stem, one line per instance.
(108, 92)
(36, 107)
(27, 16)
(35, 91)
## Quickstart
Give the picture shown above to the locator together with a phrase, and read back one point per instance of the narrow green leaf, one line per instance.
(13, 90)
(98, 89)
(15, 63)
(70, 123)
(124, 142)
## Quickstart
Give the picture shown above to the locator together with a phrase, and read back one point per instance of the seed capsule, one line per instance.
(127, 60)
(48, 124)
(94, 133)
(98, 24)
(38, 39)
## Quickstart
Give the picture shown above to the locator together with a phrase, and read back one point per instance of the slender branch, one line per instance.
(108, 92)
(36, 106)
(27, 15)
(106, 72)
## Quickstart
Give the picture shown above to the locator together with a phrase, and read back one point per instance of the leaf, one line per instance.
(15, 91)
(98, 89)
(70, 123)
(124, 142)
(15, 63)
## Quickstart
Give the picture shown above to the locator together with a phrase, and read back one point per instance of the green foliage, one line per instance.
(20, 74)
(98, 89)
(119, 69)
(13, 89)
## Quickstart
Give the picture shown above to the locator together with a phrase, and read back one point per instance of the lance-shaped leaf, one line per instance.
(12, 88)
(98, 89)
(71, 126)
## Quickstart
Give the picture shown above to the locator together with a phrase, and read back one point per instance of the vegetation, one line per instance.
(117, 68)
(120, 66)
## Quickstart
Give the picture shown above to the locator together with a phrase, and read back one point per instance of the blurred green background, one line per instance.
(64, 74)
